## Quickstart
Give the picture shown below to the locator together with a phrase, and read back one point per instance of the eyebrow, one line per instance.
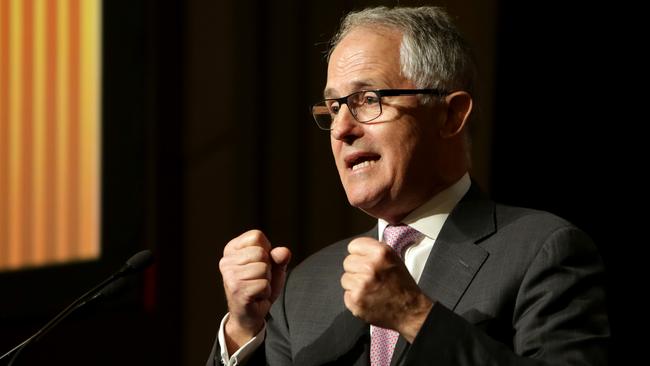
(329, 93)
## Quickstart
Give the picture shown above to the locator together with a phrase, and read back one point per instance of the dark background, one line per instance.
(207, 134)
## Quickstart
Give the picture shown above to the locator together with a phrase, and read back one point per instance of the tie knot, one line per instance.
(400, 236)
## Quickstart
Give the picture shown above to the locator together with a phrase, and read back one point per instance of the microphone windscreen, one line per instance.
(140, 260)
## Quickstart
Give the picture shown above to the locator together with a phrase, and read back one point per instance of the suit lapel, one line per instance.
(455, 257)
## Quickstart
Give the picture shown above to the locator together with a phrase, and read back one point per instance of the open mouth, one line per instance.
(361, 160)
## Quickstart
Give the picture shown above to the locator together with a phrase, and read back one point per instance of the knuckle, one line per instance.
(355, 297)
(347, 262)
(256, 236)
(228, 274)
(346, 298)
(231, 286)
(227, 249)
(353, 304)
(232, 245)
(256, 233)
(262, 269)
(226, 262)
(370, 268)
(382, 255)
(364, 285)
(345, 281)
(259, 254)
(384, 251)
(369, 283)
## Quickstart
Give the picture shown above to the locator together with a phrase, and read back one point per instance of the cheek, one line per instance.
(335, 148)
(402, 150)
(336, 154)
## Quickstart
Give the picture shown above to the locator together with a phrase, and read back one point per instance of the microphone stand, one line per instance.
(138, 262)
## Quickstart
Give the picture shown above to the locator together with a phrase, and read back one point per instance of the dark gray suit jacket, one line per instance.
(514, 287)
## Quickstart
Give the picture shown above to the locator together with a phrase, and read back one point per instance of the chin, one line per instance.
(358, 202)
(363, 202)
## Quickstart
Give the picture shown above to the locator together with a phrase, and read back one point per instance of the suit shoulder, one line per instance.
(527, 230)
(534, 221)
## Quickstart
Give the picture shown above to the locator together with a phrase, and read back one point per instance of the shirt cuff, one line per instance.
(244, 352)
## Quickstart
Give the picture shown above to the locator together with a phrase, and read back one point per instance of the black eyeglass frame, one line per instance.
(380, 93)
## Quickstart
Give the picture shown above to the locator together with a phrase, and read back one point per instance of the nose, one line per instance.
(345, 127)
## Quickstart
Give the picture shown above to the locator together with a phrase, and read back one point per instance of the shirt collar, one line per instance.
(429, 218)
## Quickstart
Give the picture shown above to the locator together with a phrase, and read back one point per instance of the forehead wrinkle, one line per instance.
(358, 71)
(356, 85)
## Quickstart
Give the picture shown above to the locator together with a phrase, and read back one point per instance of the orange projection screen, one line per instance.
(49, 132)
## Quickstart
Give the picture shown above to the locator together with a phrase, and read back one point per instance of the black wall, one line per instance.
(566, 132)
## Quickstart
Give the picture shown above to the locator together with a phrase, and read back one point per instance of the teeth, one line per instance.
(363, 164)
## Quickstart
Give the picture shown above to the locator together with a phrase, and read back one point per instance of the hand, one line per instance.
(253, 277)
(380, 290)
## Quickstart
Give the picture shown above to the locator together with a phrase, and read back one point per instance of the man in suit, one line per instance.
(479, 283)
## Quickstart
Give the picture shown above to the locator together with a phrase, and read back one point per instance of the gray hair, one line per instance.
(433, 54)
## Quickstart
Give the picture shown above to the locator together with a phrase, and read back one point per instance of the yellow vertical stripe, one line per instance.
(74, 68)
(50, 174)
(4, 132)
(27, 138)
(15, 118)
(90, 138)
(63, 125)
(39, 237)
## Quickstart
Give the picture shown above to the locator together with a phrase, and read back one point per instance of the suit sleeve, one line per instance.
(277, 343)
(559, 315)
(257, 357)
(276, 347)
(239, 357)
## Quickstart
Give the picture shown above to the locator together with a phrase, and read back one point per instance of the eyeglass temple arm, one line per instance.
(396, 92)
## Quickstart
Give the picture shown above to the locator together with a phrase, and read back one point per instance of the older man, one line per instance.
(447, 277)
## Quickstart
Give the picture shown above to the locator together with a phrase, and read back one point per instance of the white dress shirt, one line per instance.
(427, 219)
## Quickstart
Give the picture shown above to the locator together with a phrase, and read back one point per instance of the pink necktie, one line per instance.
(382, 341)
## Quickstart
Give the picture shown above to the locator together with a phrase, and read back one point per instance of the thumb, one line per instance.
(280, 258)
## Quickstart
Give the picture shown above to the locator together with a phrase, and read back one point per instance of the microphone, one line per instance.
(136, 263)
(110, 290)
(108, 287)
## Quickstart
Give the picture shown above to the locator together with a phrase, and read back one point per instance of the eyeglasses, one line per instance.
(365, 105)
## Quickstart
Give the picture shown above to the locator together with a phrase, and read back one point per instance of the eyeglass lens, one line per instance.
(364, 106)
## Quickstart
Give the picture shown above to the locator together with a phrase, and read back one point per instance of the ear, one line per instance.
(459, 107)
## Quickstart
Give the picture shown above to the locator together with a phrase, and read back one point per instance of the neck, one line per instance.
(395, 213)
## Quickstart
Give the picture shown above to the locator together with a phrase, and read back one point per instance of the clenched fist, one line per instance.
(380, 290)
(253, 277)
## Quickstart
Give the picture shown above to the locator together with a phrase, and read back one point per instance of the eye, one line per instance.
(333, 107)
(370, 98)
